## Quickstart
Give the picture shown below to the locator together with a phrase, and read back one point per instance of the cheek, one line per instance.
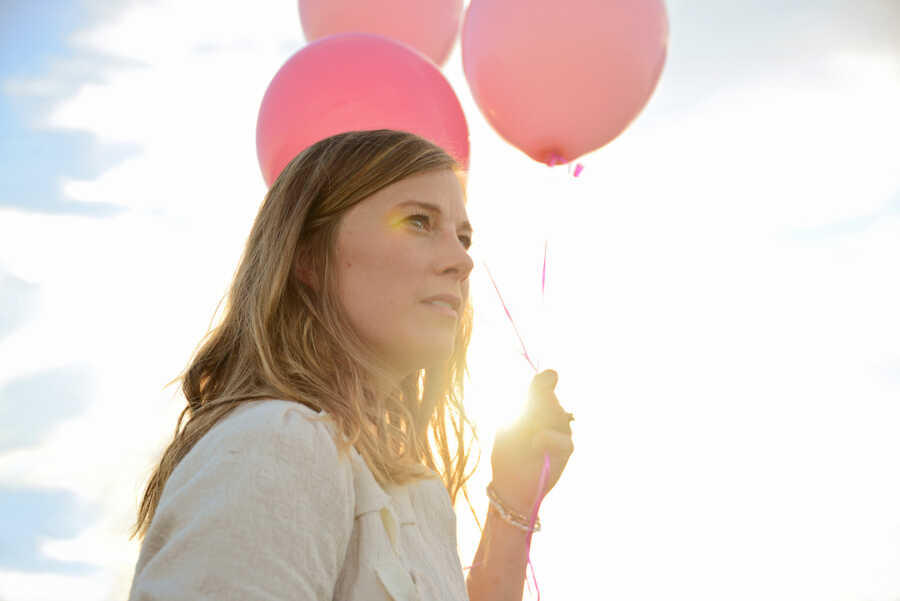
(375, 288)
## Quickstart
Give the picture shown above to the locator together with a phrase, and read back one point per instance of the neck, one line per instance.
(386, 385)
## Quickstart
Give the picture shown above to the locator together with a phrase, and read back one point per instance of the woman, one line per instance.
(305, 468)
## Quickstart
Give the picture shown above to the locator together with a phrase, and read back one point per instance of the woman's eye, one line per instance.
(424, 223)
(424, 219)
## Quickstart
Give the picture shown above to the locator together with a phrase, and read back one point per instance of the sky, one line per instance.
(720, 305)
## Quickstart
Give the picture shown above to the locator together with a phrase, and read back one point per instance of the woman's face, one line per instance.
(396, 251)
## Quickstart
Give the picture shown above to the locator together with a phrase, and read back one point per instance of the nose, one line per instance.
(456, 259)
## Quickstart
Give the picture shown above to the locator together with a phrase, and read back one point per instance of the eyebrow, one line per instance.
(465, 225)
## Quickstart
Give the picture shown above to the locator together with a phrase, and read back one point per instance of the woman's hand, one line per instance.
(518, 454)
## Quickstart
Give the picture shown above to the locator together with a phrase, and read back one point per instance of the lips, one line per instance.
(453, 301)
(447, 303)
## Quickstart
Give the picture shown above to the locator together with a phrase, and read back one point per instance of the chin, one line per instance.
(433, 356)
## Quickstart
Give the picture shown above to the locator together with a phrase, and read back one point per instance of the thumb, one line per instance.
(542, 383)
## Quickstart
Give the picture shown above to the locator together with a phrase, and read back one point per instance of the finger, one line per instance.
(542, 386)
(546, 380)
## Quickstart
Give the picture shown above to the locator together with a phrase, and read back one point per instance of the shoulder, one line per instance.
(274, 433)
(261, 502)
(285, 421)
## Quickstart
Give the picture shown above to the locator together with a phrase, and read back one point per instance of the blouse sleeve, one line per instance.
(260, 509)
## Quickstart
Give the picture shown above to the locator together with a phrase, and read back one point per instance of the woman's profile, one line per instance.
(324, 441)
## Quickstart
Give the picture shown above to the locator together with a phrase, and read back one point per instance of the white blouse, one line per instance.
(263, 509)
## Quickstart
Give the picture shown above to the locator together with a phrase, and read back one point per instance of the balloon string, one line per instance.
(546, 468)
(505, 308)
(556, 159)
(534, 511)
(543, 304)
(545, 471)
(544, 272)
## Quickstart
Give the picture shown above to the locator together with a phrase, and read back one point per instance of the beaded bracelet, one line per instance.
(516, 519)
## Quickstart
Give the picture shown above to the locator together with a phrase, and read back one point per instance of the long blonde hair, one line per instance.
(279, 337)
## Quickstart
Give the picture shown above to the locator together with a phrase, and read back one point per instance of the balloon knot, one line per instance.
(555, 159)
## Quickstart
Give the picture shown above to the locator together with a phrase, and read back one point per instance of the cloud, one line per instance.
(30, 517)
(202, 149)
(34, 40)
(723, 270)
(32, 172)
(32, 406)
(18, 300)
(772, 155)
(716, 45)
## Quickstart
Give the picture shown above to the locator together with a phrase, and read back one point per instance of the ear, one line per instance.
(303, 273)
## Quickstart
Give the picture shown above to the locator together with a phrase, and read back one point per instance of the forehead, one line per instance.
(441, 188)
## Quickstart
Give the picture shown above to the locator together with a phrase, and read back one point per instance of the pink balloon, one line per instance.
(429, 26)
(356, 81)
(560, 79)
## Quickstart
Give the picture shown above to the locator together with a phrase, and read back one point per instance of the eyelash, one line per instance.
(466, 240)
